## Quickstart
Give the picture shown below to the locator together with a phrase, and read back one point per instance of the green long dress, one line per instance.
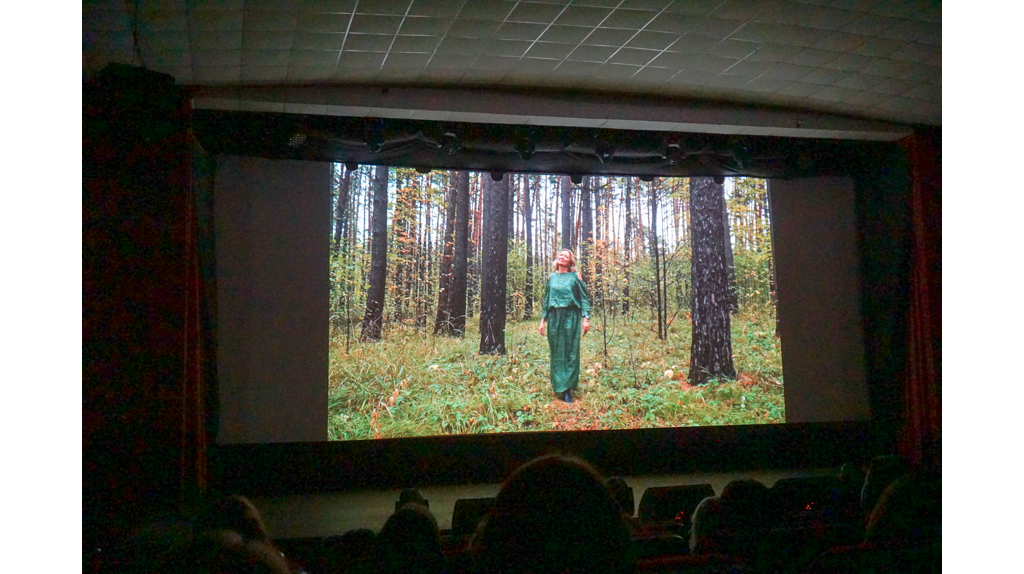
(566, 302)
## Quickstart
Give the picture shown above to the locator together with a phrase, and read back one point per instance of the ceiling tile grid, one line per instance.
(821, 54)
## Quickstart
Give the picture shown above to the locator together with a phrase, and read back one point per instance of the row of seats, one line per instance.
(671, 507)
(556, 514)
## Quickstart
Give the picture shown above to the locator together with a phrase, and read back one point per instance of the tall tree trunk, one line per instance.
(355, 198)
(442, 320)
(510, 236)
(675, 208)
(600, 246)
(653, 229)
(552, 215)
(474, 248)
(730, 267)
(374, 317)
(341, 209)
(398, 228)
(772, 285)
(341, 224)
(460, 258)
(427, 248)
(711, 350)
(587, 231)
(494, 265)
(565, 192)
(512, 188)
(528, 230)
(627, 243)
(641, 233)
(418, 254)
(577, 216)
(454, 320)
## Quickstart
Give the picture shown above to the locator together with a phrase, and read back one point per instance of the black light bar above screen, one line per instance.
(522, 149)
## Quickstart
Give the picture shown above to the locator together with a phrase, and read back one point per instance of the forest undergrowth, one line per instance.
(414, 384)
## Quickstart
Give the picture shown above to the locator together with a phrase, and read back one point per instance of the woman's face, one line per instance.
(564, 259)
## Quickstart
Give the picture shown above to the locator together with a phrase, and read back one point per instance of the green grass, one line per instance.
(414, 384)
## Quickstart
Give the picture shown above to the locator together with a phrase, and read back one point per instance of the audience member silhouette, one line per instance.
(411, 495)
(882, 472)
(851, 483)
(353, 552)
(903, 532)
(709, 533)
(748, 510)
(230, 536)
(410, 542)
(733, 523)
(750, 500)
(234, 513)
(228, 552)
(554, 515)
(623, 496)
(908, 513)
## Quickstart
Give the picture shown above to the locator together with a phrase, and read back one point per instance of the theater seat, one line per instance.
(672, 505)
(800, 496)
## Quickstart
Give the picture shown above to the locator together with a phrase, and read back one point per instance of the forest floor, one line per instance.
(412, 383)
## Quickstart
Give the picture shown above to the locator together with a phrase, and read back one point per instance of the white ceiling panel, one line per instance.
(871, 59)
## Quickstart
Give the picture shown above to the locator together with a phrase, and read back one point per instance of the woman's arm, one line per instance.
(583, 296)
(544, 305)
(584, 303)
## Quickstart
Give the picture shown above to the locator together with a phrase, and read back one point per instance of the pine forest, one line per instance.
(437, 280)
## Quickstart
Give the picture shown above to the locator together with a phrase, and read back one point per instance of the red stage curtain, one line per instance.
(144, 340)
(921, 431)
(194, 439)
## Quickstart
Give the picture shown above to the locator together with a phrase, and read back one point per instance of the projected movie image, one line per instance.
(656, 296)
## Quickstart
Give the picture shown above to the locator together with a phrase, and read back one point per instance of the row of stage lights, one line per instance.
(498, 175)
(449, 143)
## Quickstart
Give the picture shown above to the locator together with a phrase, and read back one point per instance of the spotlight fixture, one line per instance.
(423, 170)
(297, 139)
(604, 151)
(497, 175)
(719, 179)
(450, 142)
(525, 148)
(576, 178)
(351, 166)
(375, 136)
(646, 178)
(673, 153)
(741, 154)
(736, 154)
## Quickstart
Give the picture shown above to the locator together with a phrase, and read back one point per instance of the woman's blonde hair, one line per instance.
(572, 261)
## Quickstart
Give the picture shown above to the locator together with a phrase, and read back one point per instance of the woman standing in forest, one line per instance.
(566, 302)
